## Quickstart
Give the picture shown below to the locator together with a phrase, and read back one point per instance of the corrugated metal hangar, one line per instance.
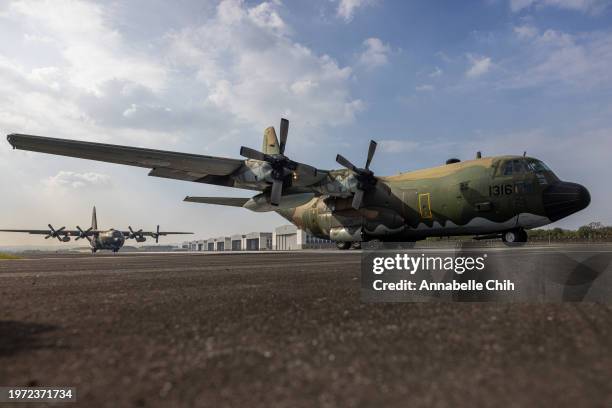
(284, 238)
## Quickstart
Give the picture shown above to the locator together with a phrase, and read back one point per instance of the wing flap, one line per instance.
(190, 164)
(229, 201)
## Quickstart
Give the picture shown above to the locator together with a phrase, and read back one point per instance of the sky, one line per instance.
(428, 80)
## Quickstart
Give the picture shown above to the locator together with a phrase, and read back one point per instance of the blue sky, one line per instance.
(428, 80)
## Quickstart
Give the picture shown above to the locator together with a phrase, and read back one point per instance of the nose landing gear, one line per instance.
(515, 237)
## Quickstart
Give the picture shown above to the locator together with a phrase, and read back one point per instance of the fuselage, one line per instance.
(111, 240)
(475, 197)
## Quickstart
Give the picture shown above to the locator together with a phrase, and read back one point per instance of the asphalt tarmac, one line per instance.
(284, 330)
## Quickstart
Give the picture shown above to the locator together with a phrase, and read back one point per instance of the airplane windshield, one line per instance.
(537, 166)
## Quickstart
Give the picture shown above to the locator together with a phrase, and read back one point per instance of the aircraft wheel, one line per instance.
(342, 245)
(356, 245)
(514, 237)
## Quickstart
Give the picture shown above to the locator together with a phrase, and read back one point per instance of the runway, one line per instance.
(285, 330)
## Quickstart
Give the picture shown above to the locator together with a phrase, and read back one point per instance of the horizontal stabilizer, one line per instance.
(231, 201)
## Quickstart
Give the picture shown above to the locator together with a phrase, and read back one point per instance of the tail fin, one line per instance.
(270, 142)
(94, 219)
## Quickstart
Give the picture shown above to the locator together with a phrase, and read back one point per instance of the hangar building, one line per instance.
(284, 238)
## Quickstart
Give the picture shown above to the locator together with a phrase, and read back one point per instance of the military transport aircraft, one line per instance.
(111, 239)
(489, 197)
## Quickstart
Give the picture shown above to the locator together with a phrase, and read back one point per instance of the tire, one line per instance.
(516, 237)
(343, 245)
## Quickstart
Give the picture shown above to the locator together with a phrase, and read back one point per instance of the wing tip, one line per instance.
(11, 139)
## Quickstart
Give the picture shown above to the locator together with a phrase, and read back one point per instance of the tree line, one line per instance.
(594, 231)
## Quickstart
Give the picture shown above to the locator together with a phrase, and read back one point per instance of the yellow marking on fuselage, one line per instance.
(425, 211)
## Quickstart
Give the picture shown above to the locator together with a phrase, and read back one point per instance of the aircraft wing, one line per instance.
(253, 174)
(45, 232)
(162, 233)
(34, 232)
(154, 233)
(181, 166)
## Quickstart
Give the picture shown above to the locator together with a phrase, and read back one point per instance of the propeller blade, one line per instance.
(60, 230)
(157, 235)
(252, 154)
(277, 192)
(344, 162)
(371, 151)
(284, 130)
(305, 169)
(357, 199)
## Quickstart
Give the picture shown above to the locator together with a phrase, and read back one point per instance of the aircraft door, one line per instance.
(519, 175)
(425, 205)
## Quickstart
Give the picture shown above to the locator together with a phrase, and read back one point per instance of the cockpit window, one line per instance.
(508, 168)
(537, 166)
(518, 167)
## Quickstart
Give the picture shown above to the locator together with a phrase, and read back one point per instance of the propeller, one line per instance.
(281, 165)
(156, 235)
(83, 234)
(53, 233)
(134, 235)
(365, 177)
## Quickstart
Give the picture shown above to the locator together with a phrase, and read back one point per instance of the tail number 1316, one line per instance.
(500, 189)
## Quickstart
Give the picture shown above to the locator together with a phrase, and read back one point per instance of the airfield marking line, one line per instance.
(40, 274)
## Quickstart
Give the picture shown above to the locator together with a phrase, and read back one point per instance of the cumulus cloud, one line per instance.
(585, 6)
(251, 67)
(347, 8)
(376, 53)
(551, 56)
(480, 65)
(238, 70)
(92, 51)
(72, 180)
(525, 31)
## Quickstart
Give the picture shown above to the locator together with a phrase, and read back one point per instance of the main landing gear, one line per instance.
(514, 237)
(343, 245)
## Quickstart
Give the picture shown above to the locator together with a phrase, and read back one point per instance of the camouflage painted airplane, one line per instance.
(111, 239)
(489, 197)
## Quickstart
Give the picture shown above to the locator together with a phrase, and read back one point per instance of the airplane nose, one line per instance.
(563, 198)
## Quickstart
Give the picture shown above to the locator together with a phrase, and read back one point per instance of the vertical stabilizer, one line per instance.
(270, 142)
(94, 219)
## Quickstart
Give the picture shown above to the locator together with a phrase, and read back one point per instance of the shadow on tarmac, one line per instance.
(16, 337)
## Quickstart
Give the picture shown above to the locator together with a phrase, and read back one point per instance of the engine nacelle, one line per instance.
(140, 239)
(345, 234)
(65, 238)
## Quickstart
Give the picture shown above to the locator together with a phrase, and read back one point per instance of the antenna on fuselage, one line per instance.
(524, 153)
(478, 155)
